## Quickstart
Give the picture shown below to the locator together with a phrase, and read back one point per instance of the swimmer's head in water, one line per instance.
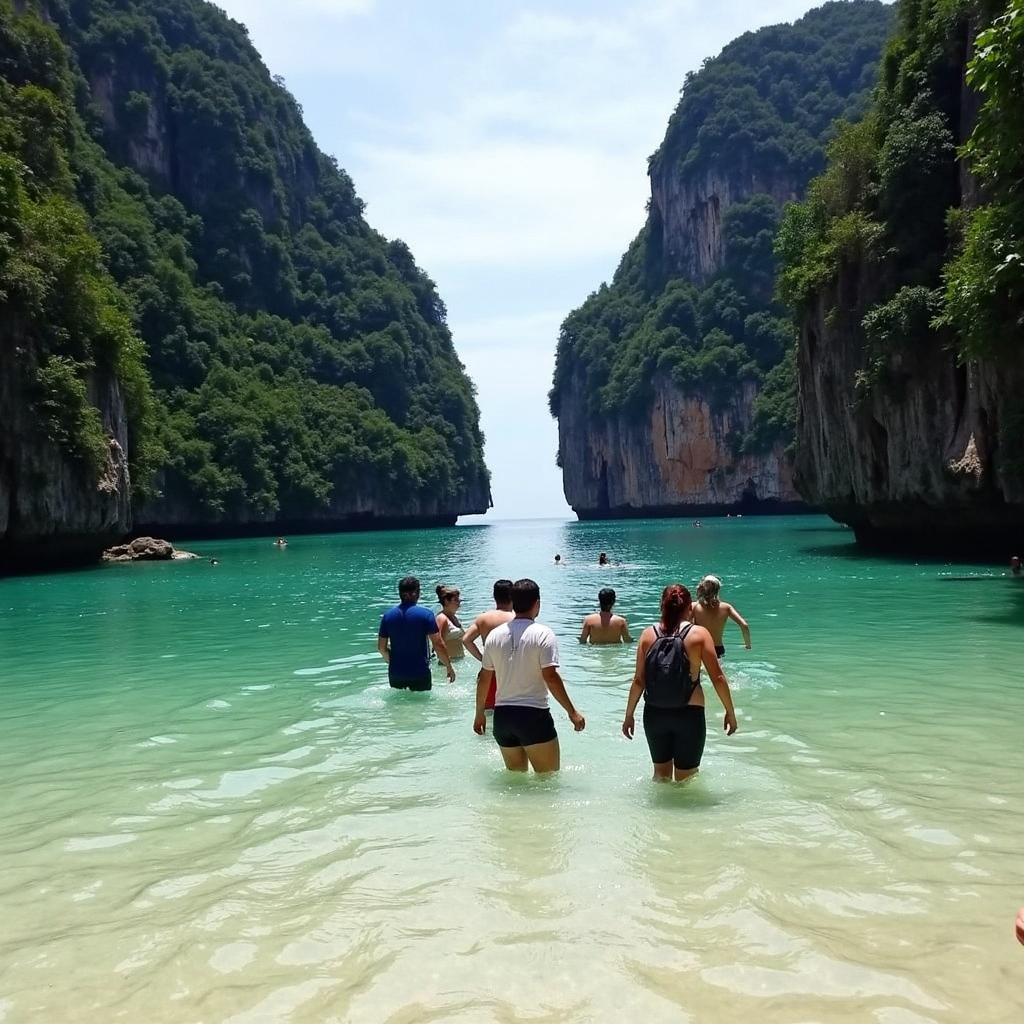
(525, 595)
(409, 588)
(675, 606)
(606, 599)
(558, 558)
(1015, 563)
(602, 559)
(447, 595)
(708, 590)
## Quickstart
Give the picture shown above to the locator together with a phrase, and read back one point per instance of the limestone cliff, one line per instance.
(674, 385)
(53, 508)
(677, 461)
(927, 463)
(910, 411)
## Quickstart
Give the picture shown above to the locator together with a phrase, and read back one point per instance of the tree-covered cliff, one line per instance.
(905, 267)
(301, 366)
(690, 326)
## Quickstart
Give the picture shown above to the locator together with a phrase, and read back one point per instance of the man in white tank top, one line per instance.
(522, 655)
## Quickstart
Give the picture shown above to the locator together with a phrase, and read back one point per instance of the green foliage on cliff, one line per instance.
(297, 356)
(891, 206)
(757, 117)
(61, 309)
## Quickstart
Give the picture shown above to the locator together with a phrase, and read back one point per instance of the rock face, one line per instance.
(934, 470)
(677, 461)
(690, 210)
(53, 510)
(177, 516)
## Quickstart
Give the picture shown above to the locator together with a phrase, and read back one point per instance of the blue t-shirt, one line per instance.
(407, 627)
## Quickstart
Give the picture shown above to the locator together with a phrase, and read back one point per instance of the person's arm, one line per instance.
(483, 684)
(382, 647)
(469, 640)
(441, 649)
(585, 631)
(721, 684)
(557, 690)
(742, 623)
(625, 637)
(636, 689)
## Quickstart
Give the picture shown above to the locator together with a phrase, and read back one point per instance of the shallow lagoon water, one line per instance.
(216, 811)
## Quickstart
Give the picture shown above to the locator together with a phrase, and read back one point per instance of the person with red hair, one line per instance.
(668, 664)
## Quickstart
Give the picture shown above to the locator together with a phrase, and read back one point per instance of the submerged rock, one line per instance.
(146, 549)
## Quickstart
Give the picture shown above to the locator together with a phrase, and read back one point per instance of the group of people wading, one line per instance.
(520, 667)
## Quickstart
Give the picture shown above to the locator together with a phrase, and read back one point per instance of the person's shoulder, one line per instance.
(697, 633)
(495, 635)
(541, 632)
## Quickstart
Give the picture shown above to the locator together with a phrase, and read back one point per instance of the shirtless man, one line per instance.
(603, 627)
(712, 613)
(485, 623)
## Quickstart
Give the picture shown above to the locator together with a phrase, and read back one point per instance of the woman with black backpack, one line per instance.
(668, 662)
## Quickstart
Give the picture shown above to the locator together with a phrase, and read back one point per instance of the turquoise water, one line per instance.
(215, 810)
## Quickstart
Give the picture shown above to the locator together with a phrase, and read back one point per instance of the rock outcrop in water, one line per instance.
(911, 371)
(200, 324)
(675, 386)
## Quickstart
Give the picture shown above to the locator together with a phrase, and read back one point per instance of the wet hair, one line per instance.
(525, 594)
(675, 606)
(708, 590)
(446, 593)
(606, 599)
(502, 591)
(408, 586)
(603, 557)
(558, 558)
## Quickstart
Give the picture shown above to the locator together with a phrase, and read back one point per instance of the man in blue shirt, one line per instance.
(402, 640)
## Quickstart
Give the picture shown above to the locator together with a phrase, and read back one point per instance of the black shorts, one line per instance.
(676, 734)
(419, 685)
(720, 650)
(522, 727)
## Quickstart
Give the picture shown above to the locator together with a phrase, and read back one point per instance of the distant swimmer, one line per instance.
(602, 559)
(1015, 567)
(697, 524)
(713, 613)
(522, 655)
(484, 624)
(558, 559)
(214, 561)
(448, 622)
(668, 663)
(280, 543)
(1020, 926)
(402, 640)
(603, 627)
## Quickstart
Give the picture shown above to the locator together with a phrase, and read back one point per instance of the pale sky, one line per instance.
(507, 144)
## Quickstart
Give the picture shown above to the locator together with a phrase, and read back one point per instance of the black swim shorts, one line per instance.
(418, 685)
(720, 650)
(522, 727)
(676, 734)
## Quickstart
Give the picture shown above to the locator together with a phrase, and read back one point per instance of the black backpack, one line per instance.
(667, 682)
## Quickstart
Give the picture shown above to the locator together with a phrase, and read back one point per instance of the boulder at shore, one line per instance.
(145, 549)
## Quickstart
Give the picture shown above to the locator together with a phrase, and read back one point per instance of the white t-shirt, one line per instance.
(517, 651)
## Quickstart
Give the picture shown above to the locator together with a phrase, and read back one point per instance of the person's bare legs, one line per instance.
(682, 774)
(515, 758)
(663, 771)
(544, 757)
